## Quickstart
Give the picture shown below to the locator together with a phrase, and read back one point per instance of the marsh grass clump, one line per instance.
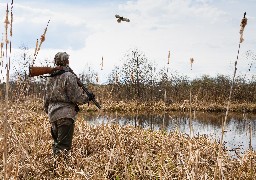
(111, 151)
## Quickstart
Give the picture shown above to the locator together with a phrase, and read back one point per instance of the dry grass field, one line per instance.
(113, 152)
(110, 151)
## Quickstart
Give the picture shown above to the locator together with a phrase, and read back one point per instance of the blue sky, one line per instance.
(207, 30)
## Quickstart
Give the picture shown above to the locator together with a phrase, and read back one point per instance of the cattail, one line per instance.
(101, 63)
(6, 28)
(2, 45)
(10, 47)
(11, 20)
(191, 62)
(42, 39)
(6, 21)
(168, 58)
(36, 47)
(7, 67)
(243, 24)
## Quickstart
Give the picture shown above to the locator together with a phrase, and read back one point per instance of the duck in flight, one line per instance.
(121, 18)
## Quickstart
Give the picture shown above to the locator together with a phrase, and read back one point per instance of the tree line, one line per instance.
(138, 79)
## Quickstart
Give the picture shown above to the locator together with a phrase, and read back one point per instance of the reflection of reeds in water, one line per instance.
(250, 147)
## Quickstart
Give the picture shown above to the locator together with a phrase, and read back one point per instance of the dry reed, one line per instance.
(7, 69)
(38, 46)
(109, 151)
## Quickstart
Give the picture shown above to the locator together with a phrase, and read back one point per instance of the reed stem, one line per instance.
(233, 80)
(190, 114)
(250, 146)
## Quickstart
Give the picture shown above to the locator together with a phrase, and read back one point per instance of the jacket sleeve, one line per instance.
(75, 93)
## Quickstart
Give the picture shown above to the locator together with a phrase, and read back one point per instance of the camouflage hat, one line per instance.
(61, 59)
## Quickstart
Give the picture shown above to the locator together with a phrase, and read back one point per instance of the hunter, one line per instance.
(62, 97)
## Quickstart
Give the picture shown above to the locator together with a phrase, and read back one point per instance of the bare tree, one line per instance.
(135, 73)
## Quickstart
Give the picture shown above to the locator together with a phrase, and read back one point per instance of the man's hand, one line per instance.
(91, 96)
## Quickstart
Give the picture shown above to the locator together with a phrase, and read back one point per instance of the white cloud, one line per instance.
(203, 29)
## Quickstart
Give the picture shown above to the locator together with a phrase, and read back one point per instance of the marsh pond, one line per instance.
(237, 132)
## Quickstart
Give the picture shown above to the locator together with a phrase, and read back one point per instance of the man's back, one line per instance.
(62, 96)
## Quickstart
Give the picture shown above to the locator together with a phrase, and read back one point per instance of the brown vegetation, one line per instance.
(113, 152)
(109, 151)
(208, 94)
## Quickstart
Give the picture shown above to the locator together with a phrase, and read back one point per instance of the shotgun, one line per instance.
(37, 71)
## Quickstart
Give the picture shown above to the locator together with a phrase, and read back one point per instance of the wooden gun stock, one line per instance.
(37, 71)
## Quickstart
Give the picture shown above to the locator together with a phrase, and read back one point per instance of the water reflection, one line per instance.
(237, 126)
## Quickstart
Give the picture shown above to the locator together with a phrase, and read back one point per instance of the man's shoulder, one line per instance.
(68, 74)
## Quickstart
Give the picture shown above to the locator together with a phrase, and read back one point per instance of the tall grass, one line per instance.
(7, 65)
(219, 159)
(109, 151)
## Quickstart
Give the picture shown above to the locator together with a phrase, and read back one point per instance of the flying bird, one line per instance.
(121, 18)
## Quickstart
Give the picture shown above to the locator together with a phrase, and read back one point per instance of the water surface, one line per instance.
(236, 136)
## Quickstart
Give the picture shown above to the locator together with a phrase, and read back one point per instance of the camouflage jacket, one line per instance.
(62, 96)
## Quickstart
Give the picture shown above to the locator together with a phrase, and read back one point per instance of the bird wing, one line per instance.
(126, 19)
